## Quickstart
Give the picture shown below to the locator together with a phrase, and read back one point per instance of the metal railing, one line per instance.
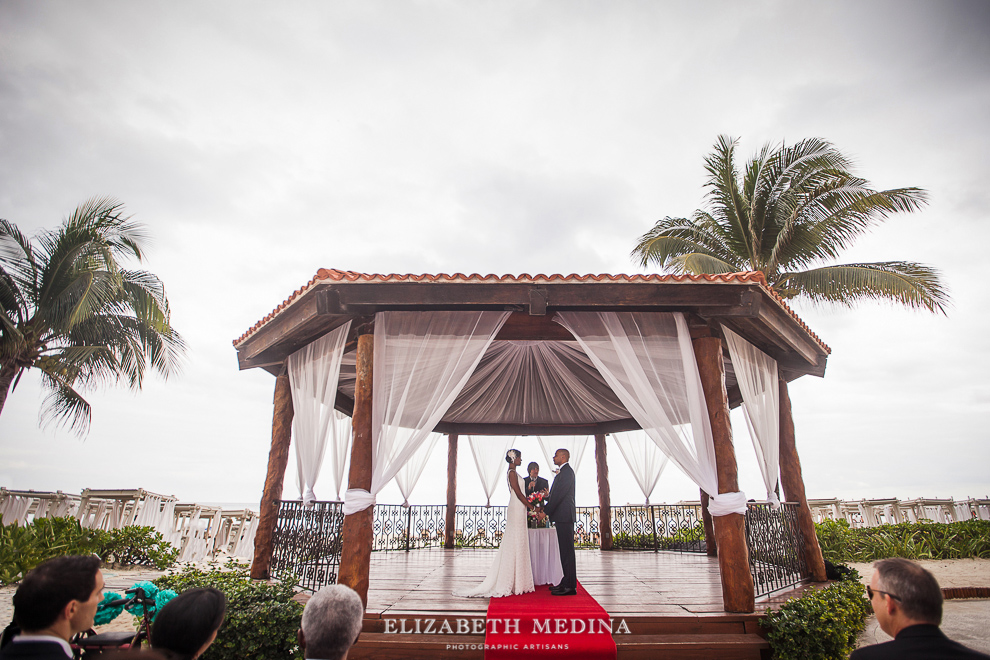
(306, 542)
(774, 541)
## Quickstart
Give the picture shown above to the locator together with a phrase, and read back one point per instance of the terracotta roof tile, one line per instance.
(331, 275)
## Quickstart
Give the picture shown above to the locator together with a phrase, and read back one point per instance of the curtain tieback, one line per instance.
(773, 501)
(726, 503)
(309, 497)
(357, 499)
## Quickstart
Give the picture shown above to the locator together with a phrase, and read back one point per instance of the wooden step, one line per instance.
(379, 646)
(382, 646)
(691, 647)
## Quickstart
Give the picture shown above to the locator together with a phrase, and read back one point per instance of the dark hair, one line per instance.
(532, 466)
(512, 455)
(916, 589)
(45, 591)
(187, 622)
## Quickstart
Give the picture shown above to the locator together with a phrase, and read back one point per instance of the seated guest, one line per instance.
(331, 623)
(908, 604)
(534, 482)
(188, 623)
(54, 602)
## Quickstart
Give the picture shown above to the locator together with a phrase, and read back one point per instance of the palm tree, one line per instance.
(70, 310)
(793, 211)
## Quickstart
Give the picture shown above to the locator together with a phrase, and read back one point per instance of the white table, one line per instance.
(544, 555)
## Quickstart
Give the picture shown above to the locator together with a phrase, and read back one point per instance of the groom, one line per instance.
(560, 508)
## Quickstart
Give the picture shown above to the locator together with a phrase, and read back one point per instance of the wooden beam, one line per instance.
(458, 428)
(738, 594)
(711, 545)
(357, 534)
(793, 483)
(450, 517)
(604, 500)
(278, 459)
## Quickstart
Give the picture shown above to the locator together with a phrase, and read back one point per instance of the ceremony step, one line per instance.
(691, 647)
(689, 637)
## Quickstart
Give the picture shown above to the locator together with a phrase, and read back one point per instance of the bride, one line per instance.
(511, 572)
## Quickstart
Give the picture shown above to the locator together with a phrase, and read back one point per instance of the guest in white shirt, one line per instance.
(55, 601)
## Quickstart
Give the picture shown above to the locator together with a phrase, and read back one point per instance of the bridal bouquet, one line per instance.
(538, 499)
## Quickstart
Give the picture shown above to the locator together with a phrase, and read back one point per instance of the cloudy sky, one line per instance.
(262, 141)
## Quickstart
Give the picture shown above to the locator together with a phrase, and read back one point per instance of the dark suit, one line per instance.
(560, 509)
(922, 642)
(541, 484)
(33, 650)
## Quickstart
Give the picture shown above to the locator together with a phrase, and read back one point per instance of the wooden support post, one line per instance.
(358, 534)
(730, 530)
(604, 500)
(450, 519)
(793, 483)
(711, 546)
(278, 459)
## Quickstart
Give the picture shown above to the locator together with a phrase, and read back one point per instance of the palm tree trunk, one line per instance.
(7, 373)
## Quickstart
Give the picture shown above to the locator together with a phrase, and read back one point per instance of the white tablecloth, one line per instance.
(544, 554)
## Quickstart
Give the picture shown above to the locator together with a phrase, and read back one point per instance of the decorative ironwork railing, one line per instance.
(774, 540)
(306, 542)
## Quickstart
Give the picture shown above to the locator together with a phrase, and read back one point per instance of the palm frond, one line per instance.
(701, 264)
(911, 284)
(64, 407)
(672, 237)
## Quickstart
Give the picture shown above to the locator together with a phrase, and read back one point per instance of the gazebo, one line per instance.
(407, 355)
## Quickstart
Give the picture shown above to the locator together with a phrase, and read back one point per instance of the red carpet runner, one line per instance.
(538, 625)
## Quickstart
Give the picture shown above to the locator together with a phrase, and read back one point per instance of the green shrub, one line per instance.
(823, 624)
(261, 621)
(137, 546)
(921, 540)
(24, 547)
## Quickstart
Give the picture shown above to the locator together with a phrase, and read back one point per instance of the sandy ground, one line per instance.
(964, 620)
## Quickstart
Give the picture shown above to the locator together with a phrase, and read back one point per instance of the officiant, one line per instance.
(534, 482)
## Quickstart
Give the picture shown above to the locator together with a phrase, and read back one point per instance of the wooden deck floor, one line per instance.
(625, 583)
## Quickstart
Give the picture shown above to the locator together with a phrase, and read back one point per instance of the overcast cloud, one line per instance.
(260, 142)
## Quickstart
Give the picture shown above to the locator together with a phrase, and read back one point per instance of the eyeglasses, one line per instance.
(870, 591)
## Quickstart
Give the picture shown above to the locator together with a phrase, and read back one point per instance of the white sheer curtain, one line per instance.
(573, 443)
(313, 372)
(756, 374)
(644, 459)
(413, 469)
(648, 360)
(489, 458)
(340, 449)
(422, 361)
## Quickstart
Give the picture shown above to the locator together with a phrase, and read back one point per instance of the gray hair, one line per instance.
(331, 622)
(916, 589)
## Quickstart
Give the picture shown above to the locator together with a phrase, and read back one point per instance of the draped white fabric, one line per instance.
(413, 469)
(489, 458)
(313, 372)
(575, 444)
(422, 361)
(644, 459)
(756, 375)
(648, 361)
(340, 448)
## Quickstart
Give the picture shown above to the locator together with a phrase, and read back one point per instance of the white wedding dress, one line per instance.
(511, 572)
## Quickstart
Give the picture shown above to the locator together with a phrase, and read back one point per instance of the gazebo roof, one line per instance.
(741, 301)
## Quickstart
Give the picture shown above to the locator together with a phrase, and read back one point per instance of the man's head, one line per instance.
(561, 456)
(60, 596)
(904, 594)
(533, 469)
(331, 622)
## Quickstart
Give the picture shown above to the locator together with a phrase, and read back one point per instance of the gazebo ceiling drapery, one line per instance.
(534, 378)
